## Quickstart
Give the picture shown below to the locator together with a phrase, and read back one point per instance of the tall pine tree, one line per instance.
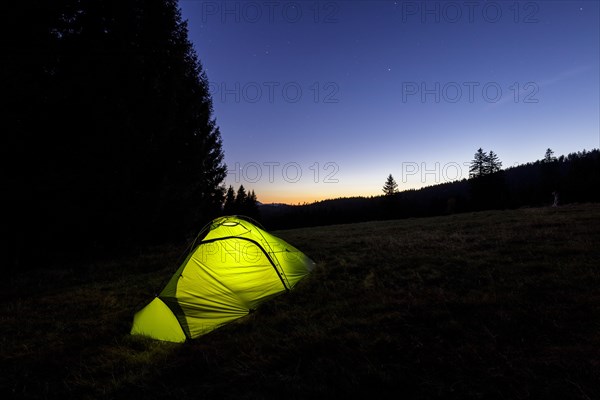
(390, 187)
(240, 199)
(478, 164)
(229, 205)
(251, 208)
(111, 109)
(493, 163)
(549, 156)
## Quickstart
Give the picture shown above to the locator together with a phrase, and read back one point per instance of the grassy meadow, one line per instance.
(487, 305)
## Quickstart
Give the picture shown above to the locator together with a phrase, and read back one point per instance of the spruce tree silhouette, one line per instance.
(243, 203)
(390, 187)
(549, 156)
(551, 176)
(240, 199)
(229, 205)
(493, 164)
(110, 107)
(251, 207)
(478, 164)
(487, 185)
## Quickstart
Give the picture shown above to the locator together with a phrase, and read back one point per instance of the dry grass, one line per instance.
(490, 305)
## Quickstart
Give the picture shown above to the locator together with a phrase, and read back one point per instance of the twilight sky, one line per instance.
(324, 99)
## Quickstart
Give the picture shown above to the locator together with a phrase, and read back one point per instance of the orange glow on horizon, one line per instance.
(295, 199)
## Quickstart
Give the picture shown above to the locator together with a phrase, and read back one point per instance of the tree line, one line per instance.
(241, 203)
(482, 164)
(574, 176)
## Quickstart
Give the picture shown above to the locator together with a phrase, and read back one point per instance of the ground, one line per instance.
(488, 305)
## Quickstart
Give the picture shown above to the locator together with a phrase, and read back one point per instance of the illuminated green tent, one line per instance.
(233, 269)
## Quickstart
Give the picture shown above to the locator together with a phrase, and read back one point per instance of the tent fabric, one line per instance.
(156, 320)
(236, 267)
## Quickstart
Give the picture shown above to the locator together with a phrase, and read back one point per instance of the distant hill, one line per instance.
(575, 177)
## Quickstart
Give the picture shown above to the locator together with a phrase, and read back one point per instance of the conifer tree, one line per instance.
(229, 205)
(493, 163)
(390, 187)
(549, 156)
(110, 105)
(252, 209)
(240, 199)
(479, 164)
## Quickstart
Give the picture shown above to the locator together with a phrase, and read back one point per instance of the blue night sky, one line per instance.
(324, 99)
